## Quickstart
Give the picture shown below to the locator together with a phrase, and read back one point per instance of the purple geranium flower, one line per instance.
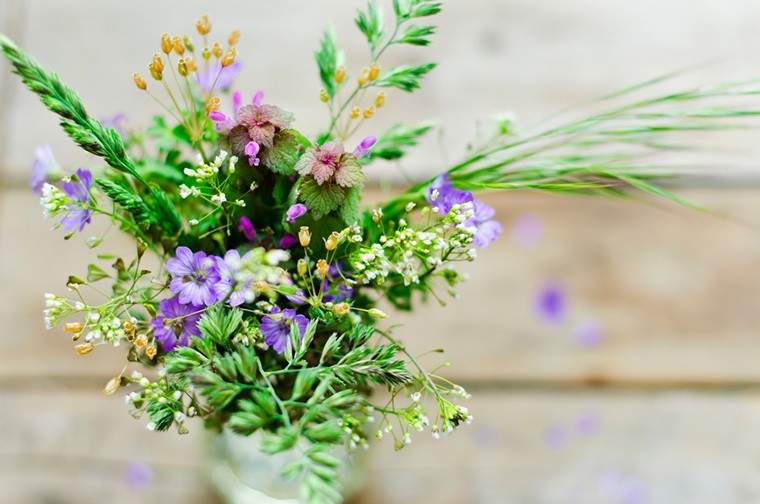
(44, 164)
(287, 241)
(296, 211)
(442, 195)
(276, 327)
(77, 216)
(551, 303)
(364, 146)
(176, 323)
(206, 78)
(246, 226)
(194, 277)
(228, 268)
(138, 475)
(487, 230)
(115, 122)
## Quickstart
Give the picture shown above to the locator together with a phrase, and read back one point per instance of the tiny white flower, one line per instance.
(193, 222)
(219, 198)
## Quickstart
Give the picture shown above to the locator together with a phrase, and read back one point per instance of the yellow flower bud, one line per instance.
(304, 236)
(188, 43)
(155, 72)
(166, 43)
(340, 75)
(182, 67)
(302, 266)
(341, 308)
(191, 65)
(378, 314)
(323, 268)
(369, 112)
(179, 47)
(140, 341)
(355, 113)
(150, 352)
(331, 243)
(206, 53)
(380, 99)
(203, 25)
(213, 103)
(112, 386)
(234, 37)
(374, 72)
(323, 96)
(261, 286)
(229, 58)
(84, 348)
(73, 327)
(158, 62)
(216, 50)
(139, 81)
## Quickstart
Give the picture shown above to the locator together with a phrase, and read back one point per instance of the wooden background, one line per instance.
(663, 409)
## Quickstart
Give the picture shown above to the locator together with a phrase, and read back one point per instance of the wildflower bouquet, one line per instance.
(262, 313)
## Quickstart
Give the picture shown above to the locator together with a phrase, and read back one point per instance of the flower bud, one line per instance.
(323, 268)
(369, 112)
(216, 50)
(139, 81)
(166, 43)
(229, 58)
(212, 104)
(378, 314)
(323, 96)
(203, 25)
(84, 348)
(192, 66)
(150, 351)
(331, 243)
(302, 266)
(158, 62)
(112, 385)
(355, 113)
(234, 38)
(179, 47)
(182, 67)
(380, 99)
(304, 236)
(188, 43)
(340, 75)
(341, 308)
(377, 215)
(73, 327)
(206, 53)
(140, 341)
(374, 72)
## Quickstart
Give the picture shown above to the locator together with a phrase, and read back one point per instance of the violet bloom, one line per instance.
(276, 327)
(330, 162)
(589, 334)
(77, 215)
(364, 146)
(251, 150)
(442, 195)
(222, 123)
(258, 123)
(43, 166)
(287, 241)
(296, 211)
(115, 122)
(194, 277)
(228, 267)
(486, 229)
(551, 303)
(206, 78)
(556, 437)
(138, 475)
(176, 323)
(527, 231)
(246, 226)
(237, 101)
(258, 97)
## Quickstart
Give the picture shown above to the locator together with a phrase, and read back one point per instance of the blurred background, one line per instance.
(611, 347)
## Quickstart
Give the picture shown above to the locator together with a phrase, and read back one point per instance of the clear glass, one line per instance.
(242, 474)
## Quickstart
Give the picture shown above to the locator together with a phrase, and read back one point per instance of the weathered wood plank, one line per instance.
(73, 447)
(672, 289)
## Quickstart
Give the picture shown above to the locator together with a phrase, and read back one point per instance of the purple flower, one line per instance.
(237, 101)
(115, 122)
(527, 231)
(206, 78)
(298, 299)
(44, 164)
(551, 303)
(77, 216)
(364, 146)
(587, 424)
(222, 123)
(276, 327)
(258, 97)
(228, 269)
(138, 475)
(287, 241)
(246, 226)
(259, 123)
(556, 437)
(176, 323)
(331, 163)
(194, 277)
(589, 334)
(442, 195)
(251, 150)
(296, 211)
(486, 229)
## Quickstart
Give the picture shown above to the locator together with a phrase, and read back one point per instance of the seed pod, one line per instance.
(179, 47)
(229, 58)
(378, 314)
(304, 236)
(331, 243)
(139, 81)
(369, 112)
(166, 43)
(112, 386)
(302, 266)
(340, 75)
(341, 308)
(323, 268)
(234, 38)
(380, 99)
(323, 96)
(374, 72)
(158, 62)
(191, 65)
(84, 348)
(188, 43)
(206, 53)
(73, 327)
(182, 67)
(140, 341)
(203, 25)
(355, 113)
(155, 72)
(151, 351)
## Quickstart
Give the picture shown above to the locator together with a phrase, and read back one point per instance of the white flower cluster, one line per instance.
(53, 200)
(205, 170)
(58, 308)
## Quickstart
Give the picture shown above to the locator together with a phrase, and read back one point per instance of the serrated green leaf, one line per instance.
(321, 199)
(95, 273)
(288, 146)
(405, 77)
(349, 210)
(220, 323)
(370, 23)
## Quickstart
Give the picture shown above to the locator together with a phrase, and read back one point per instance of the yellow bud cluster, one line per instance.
(369, 112)
(139, 81)
(323, 96)
(188, 43)
(179, 47)
(182, 67)
(216, 50)
(166, 43)
(213, 103)
(192, 66)
(323, 268)
(331, 243)
(234, 38)
(341, 309)
(203, 25)
(340, 75)
(229, 57)
(380, 99)
(84, 348)
(206, 53)
(355, 113)
(373, 73)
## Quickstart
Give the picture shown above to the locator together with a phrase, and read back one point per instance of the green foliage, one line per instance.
(349, 209)
(394, 143)
(405, 77)
(417, 35)
(321, 199)
(129, 201)
(288, 146)
(218, 324)
(409, 9)
(370, 23)
(327, 58)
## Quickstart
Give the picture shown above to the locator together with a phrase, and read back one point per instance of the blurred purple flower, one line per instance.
(295, 211)
(258, 97)
(555, 437)
(551, 303)
(206, 78)
(276, 327)
(115, 121)
(587, 424)
(43, 166)
(138, 475)
(237, 101)
(622, 488)
(442, 195)
(487, 230)
(228, 267)
(77, 215)
(194, 277)
(287, 241)
(527, 231)
(365, 146)
(246, 226)
(176, 323)
(589, 334)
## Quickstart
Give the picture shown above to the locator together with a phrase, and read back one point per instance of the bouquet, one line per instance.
(265, 309)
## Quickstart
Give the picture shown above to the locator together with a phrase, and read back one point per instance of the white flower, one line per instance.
(416, 397)
(219, 198)
(193, 222)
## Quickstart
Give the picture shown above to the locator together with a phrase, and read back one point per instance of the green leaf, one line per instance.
(95, 273)
(417, 35)
(405, 77)
(394, 143)
(327, 58)
(288, 146)
(218, 324)
(370, 23)
(350, 173)
(244, 422)
(304, 382)
(321, 199)
(183, 359)
(283, 440)
(424, 9)
(127, 199)
(349, 210)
